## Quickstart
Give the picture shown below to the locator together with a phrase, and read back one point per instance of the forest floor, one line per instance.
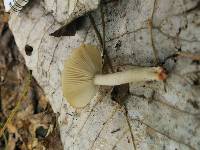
(27, 120)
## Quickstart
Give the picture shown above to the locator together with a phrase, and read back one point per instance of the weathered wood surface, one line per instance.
(161, 115)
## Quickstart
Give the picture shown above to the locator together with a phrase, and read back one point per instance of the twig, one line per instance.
(150, 25)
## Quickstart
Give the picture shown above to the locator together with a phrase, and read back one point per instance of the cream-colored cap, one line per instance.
(78, 74)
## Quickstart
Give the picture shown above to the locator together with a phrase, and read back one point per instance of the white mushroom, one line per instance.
(82, 75)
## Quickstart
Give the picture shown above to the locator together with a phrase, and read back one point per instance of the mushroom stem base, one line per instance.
(132, 75)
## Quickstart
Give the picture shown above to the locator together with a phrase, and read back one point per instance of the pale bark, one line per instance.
(161, 115)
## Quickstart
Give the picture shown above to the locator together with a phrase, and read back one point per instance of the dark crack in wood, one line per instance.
(120, 138)
(173, 37)
(107, 59)
(129, 126)
(41, 41)
(90, 113)
(54, 53)
(104, 124)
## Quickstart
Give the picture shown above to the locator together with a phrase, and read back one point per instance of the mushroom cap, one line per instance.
(78, 74)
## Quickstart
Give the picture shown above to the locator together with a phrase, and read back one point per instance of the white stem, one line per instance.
(133, 75)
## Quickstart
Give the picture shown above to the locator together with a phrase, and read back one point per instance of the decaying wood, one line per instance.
(161, 115)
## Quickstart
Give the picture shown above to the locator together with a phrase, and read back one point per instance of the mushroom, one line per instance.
(82, 75)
